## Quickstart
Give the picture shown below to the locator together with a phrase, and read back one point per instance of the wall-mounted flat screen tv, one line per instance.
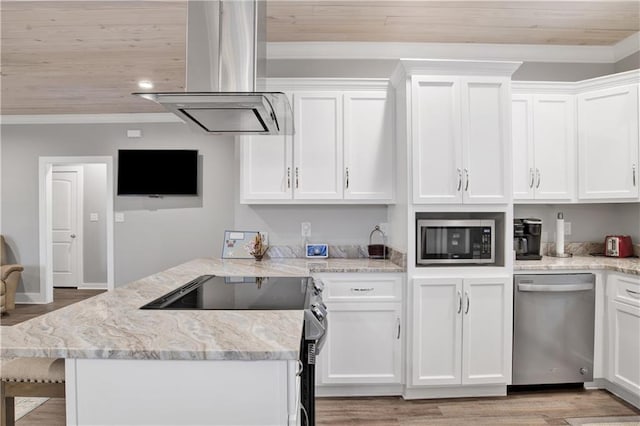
(157, 172)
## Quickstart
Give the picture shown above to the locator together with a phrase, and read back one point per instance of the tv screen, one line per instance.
(157, 172)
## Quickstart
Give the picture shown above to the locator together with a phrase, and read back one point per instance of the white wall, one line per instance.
(589, 222)
(157, 233)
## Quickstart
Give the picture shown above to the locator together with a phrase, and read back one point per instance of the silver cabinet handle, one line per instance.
(300, 368)
(72, 235)
(459, 302)
(297, 178)
(347, 179)
(466, 178)
(466, 294)
(288, 177)
(531, 174)
(538, 177)
(634, 175)
(398, 322)
(365, 290)
(459, 180)
(633, 293)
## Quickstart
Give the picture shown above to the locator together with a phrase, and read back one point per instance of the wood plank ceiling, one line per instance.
(61, 57)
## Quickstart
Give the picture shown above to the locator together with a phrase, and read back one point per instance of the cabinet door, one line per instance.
(553, 136)
(486, 342)
(437, 331)
(368, 146)
(317, 145)
(608, 143)
(266, 170)
(522, 137)
(625, 345)
(435, 127)
(363, 344)
(486, 123)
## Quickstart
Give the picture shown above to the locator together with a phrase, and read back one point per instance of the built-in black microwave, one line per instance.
(455, 242)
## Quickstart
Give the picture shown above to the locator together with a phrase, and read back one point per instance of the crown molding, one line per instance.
(626, 47)
(469, 51)
(90, 118)
(597, 83)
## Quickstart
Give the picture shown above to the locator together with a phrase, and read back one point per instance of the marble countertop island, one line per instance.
(112, 326)
(626, 266)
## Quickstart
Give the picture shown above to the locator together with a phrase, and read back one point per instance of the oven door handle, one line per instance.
(555, 288)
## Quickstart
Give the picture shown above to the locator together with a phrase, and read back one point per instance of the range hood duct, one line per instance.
(226, 69)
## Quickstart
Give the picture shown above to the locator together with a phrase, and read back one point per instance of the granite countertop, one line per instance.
(627, 265)
(111, 325)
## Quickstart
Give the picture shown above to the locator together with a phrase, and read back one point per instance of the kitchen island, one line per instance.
(130, 366)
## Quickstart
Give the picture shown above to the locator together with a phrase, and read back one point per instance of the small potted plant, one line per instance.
(257, 247)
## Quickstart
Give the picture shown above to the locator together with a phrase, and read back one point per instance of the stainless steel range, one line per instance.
(210, 292)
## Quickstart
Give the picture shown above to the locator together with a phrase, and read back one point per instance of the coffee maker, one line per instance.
(527, 234)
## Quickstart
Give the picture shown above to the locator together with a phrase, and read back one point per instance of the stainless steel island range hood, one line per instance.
(226, 68)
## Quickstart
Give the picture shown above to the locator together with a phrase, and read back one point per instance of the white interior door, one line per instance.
(66, 226)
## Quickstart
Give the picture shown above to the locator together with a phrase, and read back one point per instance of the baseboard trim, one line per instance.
(92, 286)
(620, 392)
(455, 392)
(358, 390)
(30, 298)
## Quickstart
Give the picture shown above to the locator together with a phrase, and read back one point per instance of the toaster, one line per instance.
(618, 246)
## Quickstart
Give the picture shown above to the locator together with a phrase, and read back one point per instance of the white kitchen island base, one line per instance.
(181, 392)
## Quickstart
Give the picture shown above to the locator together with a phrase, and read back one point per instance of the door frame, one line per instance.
(45, 166)
(79, 220)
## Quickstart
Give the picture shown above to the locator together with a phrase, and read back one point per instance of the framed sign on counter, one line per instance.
(236, 244)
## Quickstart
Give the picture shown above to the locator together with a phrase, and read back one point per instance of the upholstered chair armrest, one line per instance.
(5, 270)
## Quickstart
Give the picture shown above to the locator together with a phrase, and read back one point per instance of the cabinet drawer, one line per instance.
(626, 290)
(371, 289)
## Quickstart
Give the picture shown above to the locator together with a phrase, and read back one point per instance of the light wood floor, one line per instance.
(551, 407)
(61, 297)
(522, 408)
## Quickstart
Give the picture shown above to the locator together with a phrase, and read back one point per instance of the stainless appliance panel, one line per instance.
(553, 328)
(454, 241)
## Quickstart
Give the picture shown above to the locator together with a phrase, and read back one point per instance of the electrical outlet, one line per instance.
(119, 217)
(567, 228)
(306, 229)
(93, 217)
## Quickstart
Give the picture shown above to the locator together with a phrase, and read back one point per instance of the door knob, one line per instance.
(72, 235)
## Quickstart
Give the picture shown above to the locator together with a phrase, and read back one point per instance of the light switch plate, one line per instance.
(119, 217)
(306, 229)
(93, 217)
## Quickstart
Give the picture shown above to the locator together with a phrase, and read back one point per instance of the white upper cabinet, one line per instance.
(437, 144)
(342, 150)
(608, 143)
(460, 140)
(266, 168)
(543, 147)
(485, 140)
(317, 149)
(368, 153)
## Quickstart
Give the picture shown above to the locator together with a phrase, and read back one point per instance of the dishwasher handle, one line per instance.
(555, 288)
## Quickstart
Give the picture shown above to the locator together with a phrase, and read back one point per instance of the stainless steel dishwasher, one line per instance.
(553, 325)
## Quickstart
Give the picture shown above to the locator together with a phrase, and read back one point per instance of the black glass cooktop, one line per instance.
(233, 293)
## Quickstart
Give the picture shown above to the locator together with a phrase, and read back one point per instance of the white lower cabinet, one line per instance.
(624, 332)
(365, 328)
(461, 331)
(363, 344)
